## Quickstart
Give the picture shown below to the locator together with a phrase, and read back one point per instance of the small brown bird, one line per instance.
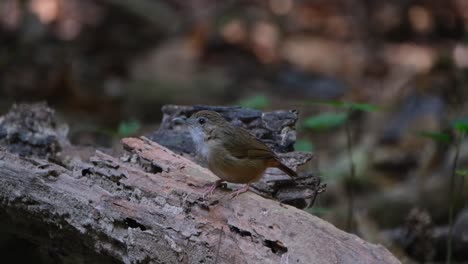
(231, 152)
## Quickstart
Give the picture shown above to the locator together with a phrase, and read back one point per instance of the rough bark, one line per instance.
(31, 129)
(147, 207)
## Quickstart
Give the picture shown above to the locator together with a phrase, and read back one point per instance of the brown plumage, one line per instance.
(231, 152)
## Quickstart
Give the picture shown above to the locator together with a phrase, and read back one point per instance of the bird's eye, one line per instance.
(201, 120)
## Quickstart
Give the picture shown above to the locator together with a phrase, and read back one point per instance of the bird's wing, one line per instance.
(260, 154)
(247, 146)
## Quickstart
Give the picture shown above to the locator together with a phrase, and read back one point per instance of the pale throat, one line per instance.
(198, 137)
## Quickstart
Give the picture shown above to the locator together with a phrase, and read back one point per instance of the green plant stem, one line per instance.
(350, 182)
(453, 178)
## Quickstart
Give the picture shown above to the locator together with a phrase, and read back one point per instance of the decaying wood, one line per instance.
(147, 207)
(276, 129)
(32, 130)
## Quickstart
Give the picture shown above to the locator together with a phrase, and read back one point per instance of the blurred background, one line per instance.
(381, 83)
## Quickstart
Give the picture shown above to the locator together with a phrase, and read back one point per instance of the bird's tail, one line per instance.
(286, 169)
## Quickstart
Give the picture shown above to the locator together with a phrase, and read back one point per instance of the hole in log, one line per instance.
(129, 222)
(150, 167)
(86, 172)
(276, 247)
(239, 231)
(154, 168)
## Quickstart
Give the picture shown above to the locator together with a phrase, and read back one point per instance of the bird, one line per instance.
(231, 152)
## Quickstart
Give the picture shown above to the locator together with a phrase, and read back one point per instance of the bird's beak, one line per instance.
(179, 121)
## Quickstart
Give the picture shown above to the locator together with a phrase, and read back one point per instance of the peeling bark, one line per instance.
(147, 207)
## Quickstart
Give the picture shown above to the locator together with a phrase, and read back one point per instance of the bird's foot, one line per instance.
(240, 190)
(209, 191)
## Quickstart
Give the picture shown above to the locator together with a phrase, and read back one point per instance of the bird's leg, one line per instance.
(241, 190)
(209, 191)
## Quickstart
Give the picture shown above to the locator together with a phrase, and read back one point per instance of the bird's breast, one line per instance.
(198, 137)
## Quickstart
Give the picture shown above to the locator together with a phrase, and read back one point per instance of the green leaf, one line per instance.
(437, 136)
(128, 128)
(258, 102)
(303, 145)
(325, 120)
(461, 125)
(461, 173)
(363, 107)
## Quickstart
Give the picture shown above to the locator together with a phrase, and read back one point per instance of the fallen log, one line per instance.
(146, 206)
